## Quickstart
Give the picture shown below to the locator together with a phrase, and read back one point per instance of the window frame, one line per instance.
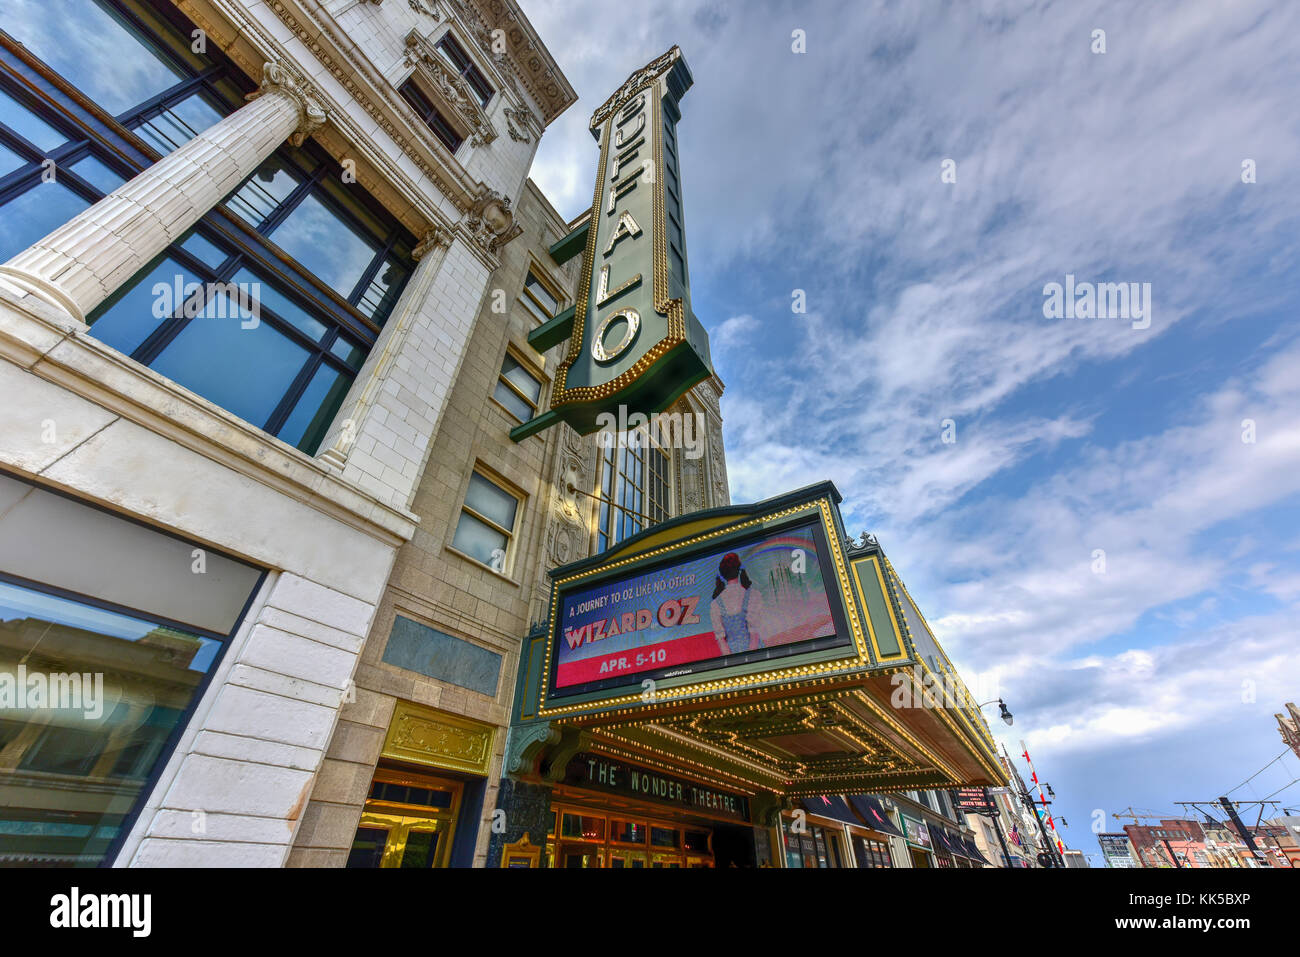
(149, 784)
(117, 143)
(532, 372)
(449, 41)
(537, 272)
(609, 529)
(419, 89)
(493, 478)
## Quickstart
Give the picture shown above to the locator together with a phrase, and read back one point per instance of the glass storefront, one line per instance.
(626, 839)
(107, 638)
(810, 845)
(871, 853)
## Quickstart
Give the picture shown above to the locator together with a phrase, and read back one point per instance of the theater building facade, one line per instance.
(723, 689)
(316, 547)
(244, 248)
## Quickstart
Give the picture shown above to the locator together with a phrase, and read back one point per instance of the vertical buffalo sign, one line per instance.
(635, 341)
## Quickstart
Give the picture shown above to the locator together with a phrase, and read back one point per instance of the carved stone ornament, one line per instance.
(491, 221)
(521, 117)
(502, 39)
(279, 78)
(419, 6)
(451, 87)
(434, 238)
(525, 745)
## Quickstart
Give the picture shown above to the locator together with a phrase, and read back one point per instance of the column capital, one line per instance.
(280, 78)
(434, 238)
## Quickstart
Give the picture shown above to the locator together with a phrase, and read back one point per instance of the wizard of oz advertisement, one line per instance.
(738, 604)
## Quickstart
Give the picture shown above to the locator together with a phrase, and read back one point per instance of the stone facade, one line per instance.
(328, 528)
(554, 473)
(278, 757)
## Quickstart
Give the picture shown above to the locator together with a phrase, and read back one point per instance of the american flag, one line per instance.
(1015, 835)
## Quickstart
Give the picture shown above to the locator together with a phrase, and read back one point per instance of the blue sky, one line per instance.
(1156, 680)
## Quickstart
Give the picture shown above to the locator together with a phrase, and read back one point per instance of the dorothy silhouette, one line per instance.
(737, 609)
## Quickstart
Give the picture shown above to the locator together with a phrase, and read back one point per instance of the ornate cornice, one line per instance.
(312, 26)
(523, 58)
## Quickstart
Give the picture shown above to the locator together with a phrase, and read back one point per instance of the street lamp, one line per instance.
(1006, 714)
(1050, 792)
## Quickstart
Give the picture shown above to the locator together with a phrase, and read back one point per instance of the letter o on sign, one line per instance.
(598, 350)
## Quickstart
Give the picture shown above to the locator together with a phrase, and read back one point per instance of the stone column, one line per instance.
(386, 425)
(81, 263)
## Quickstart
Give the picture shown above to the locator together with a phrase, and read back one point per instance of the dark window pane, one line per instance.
(179, 123)
(663, 837)
(421, 849)
(455, 54)
(35, 214)
(330, 248)
(137, 309)
(28, 125)
(247, 371)
(94, 48)
(479, 540)
(368, 847)
(311, 417)
(262, 192)
(491, 502)
(430, 114)
(97, 174)
(520, 409)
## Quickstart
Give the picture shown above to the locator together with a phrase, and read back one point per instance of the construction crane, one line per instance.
(1139, 813)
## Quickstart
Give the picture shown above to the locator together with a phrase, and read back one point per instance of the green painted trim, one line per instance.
(571, 245)
(534, 425)
(676, 371)
(552, 332)
(882, 624)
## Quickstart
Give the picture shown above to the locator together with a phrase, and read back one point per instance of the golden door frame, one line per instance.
(403, 820)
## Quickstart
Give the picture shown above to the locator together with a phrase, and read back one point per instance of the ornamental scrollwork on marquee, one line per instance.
(280, 78)
(451, 87)
(866, 540)
(635, 81)
(567, 537)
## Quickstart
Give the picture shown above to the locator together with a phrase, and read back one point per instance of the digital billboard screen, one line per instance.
(765, 597)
